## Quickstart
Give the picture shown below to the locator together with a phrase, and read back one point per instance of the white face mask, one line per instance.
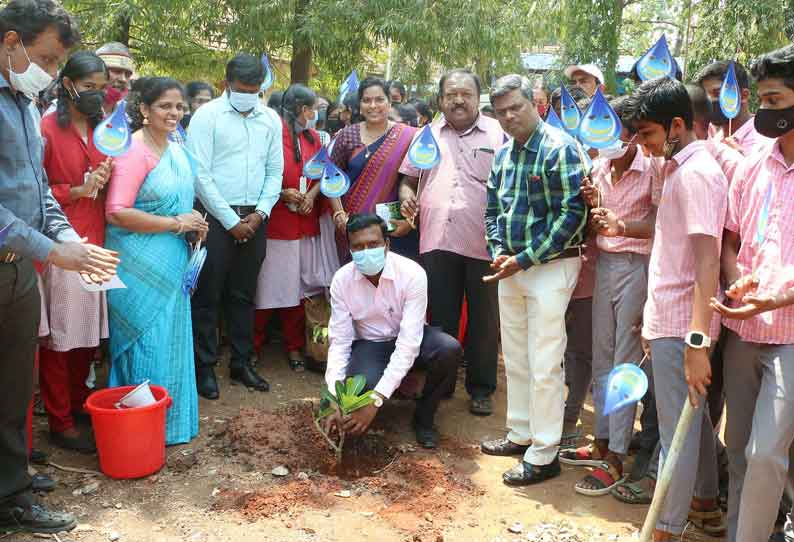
(614, 152)
(30, 82)
(311, 123)
(243, 101)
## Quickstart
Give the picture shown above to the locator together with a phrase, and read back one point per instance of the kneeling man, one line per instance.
(377, 329)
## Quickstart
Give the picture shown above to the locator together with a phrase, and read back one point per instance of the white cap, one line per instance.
(590, 69)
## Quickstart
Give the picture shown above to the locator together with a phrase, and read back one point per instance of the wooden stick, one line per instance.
(74, 469)
(670, 463)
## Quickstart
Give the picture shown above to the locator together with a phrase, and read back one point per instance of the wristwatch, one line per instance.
(697, 340)
(262, 215)
(377, 400)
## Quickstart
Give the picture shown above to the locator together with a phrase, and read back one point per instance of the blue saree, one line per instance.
(150, 326)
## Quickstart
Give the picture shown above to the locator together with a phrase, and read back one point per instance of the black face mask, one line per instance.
(774, 123)
(333, 125)
(89, 102)
(716, 116)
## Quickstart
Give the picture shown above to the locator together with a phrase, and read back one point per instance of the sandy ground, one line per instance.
(211, 490)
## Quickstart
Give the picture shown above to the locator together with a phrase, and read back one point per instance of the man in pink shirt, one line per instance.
(377, 329)
(758, 264)
(683, 275)
(451, 202)
(742, 133)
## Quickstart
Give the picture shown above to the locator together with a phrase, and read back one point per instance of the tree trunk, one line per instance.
(613, 47)
(122, 34)
(301, 63)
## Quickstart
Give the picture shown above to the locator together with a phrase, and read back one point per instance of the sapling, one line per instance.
(347, 399)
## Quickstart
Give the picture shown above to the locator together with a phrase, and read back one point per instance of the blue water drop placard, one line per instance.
(334, 182)
(4, 234)
(269, 77)
(315, 166)
(569, 111)
(424, 152)
(600, 126)
(730, 96)
(626, 384)
(552, 119)
(656, 62)
(112, 136)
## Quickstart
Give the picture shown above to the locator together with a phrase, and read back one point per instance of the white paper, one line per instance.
(112, 284)
(303, 188)
(382, 210)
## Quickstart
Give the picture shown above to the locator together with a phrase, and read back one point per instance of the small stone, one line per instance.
(281, 470)
(113, 536)
(516, 528)
(216, 492)
(302, 476)
(438, 490)
(428, 517)
(84, 528)
(345, 494)
(367, 514)
(118, 506)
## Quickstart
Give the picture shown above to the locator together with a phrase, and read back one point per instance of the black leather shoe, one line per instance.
(526, 474)
(426, 437)
(248, 378)
(502, 447)
(84, 443)
(206, 384)
(34, 519)
(41, 482)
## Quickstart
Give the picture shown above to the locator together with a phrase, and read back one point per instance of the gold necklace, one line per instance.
(368, 153)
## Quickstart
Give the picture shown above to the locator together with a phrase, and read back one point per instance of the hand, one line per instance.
(254, 221)
(753, 305)
(743, 286)
(359, 421)
(291, 195)
(402, 228)
(242, 232)
(697, 370)
(590, 192)
(193, 221)
(646, 347)
(507, 268)
(340, 220)
(96, 180)
(307, 205)
(607, 222)
(334, 421)
(95, 264)
(410, 208)
(732, 143)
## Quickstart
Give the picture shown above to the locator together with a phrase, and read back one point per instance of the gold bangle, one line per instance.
(180, 226)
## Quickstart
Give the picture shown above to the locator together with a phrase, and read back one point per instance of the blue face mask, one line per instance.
(370, 261)
(243, 101)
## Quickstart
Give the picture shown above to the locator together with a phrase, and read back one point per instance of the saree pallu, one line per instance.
(378, 177)
(150, 327)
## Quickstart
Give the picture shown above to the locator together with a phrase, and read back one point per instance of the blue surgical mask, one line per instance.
(370, 261)
(243, 101)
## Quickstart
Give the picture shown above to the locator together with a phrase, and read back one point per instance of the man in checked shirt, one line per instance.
(534, 224)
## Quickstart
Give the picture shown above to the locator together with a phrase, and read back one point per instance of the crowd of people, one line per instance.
(671, 250)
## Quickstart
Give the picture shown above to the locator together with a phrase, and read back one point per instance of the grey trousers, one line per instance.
(759, 393)
(578, 357)
(696, 472)
(620, 291)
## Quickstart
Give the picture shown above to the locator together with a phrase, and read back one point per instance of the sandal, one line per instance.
(710, 522)
(586, 456)
(639, 492)
(296, 362)
(602, 480)
(568, 440)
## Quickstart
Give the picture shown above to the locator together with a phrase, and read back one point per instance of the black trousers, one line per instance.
(450, 276)
(439, 355)
(20, 311)
(227, 282)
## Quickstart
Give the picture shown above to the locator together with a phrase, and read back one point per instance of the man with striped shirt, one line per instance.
(534, 224)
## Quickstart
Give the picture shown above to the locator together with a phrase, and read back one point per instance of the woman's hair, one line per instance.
(372, 82)
(81, 64)
(295, 98)
(194, 87)
(274, 102)
(408, 114)
(148, 90)
(422, 108)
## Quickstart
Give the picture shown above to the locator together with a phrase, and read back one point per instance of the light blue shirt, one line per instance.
(241, 159)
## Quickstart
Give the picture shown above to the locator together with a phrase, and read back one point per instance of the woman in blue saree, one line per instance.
(149, 210)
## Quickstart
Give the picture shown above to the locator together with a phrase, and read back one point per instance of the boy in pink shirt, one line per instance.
(683, 276)
(758, 264)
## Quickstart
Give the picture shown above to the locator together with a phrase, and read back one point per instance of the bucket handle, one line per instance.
(168, 403)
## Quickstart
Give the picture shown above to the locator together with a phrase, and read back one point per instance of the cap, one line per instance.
(116, 55)
(590, 69)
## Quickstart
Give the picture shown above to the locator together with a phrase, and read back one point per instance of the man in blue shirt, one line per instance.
(237, 143)
(35, 36)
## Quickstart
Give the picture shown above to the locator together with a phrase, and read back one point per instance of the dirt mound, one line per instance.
(418, 491)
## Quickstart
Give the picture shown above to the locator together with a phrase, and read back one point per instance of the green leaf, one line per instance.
(325, 412)
(359, 381)
(328, 396)
(361, 402)
(340, 391)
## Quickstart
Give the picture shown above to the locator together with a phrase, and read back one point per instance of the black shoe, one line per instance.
(206, 384)
(502, 447)
(481, 406)
(84, 443)
(426, 437)
(34, 519)
(248, 378)
(41, 483)
(526, 474)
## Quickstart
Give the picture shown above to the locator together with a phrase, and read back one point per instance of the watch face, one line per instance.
(696, 339)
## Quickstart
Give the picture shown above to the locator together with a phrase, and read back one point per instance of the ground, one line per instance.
(220, 486)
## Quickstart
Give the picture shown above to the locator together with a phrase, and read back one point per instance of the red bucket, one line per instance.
(130, 441)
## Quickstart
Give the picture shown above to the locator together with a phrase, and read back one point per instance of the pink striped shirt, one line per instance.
(452, 195)
(631, 198)
(746, 136)
(394, 310)
(727, 157)
(694, 201)
(765, 182)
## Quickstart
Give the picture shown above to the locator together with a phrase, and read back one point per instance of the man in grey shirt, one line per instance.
(35, 36)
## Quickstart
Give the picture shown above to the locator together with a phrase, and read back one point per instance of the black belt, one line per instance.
(570, 252)
(6, 256)
(240, 210)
